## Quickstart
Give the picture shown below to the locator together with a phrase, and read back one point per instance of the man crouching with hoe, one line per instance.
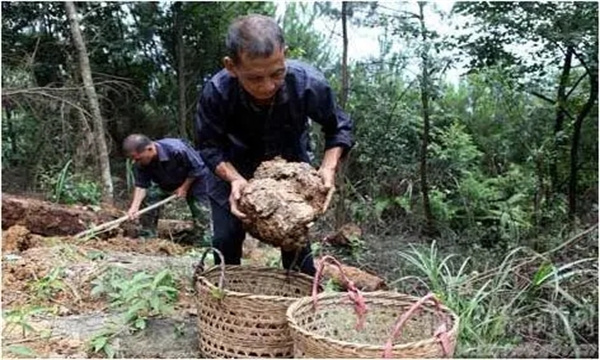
(255, 109)
(175, 168)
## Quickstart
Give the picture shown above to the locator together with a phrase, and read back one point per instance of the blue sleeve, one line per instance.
(142, 179)
(323, 109)
(209, 124)
(191, 160)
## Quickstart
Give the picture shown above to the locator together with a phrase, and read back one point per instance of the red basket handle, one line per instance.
(441, 332)
(200, 265)
(354, 294)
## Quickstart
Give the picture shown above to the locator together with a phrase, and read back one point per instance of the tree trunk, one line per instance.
(429, 226)
(561, 100)
(11, 133)
(344, 97)
(86, 75)
(182, 108)
(340, 206)
(585, 111)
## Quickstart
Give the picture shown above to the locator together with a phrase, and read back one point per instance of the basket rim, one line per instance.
(294, 307)
(242, 295)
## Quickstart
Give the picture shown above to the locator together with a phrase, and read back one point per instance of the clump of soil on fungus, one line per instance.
(280, 202)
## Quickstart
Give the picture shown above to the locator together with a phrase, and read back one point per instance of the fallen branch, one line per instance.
(115, 223)
(21, 341)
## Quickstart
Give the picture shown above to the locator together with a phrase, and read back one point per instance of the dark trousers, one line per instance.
(229, 236)
(198, 207)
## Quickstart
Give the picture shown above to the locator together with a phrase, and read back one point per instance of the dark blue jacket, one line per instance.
(176, 161)
(229, 127)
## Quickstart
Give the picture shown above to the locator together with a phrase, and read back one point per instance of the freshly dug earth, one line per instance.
(345, 235)
(19, 238)
(49, 219)
(281, 201)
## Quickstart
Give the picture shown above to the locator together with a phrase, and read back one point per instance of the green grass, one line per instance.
(499, 307)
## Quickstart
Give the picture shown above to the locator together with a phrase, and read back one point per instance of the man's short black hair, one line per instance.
(136, 143)
(254, 35)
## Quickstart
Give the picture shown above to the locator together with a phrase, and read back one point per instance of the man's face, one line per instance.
(260, 77)
(143, 157)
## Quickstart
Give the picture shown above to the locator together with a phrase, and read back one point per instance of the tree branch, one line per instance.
(543, 97)
(582, 61)
(551, 101)
(575, 86)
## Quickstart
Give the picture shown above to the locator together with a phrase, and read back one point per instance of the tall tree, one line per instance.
(90, 91)
(551, 35)
(344, 95)
(181, 74)
(425, 97)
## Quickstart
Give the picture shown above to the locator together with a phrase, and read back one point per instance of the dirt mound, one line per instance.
(19, 238)
(345, 235)
(281, 201)
(363, 280)
(48, 219)
(140, 246)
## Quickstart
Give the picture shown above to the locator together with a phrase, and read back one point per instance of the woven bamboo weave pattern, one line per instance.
(330, 330)
(249, 320)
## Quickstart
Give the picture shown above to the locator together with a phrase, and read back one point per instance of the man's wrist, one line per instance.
(227, 172)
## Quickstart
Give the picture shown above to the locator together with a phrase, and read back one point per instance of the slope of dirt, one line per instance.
(48, 219)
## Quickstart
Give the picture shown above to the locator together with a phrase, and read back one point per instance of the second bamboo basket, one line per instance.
(371, 325)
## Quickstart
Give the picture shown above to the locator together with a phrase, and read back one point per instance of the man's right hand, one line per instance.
(236, 192)
(132, 213)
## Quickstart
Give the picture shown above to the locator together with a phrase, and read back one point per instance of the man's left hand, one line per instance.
(181, 192)
(328, 176)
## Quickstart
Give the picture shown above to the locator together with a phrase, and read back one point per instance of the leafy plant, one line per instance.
(67, 188)
(48, 286)
(102, 341)
(138, 297)
(22, 351)
(20, 317)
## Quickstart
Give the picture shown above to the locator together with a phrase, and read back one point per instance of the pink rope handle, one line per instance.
(354, 294)
(441, 332)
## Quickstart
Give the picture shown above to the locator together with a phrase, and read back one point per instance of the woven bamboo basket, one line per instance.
(241, 309)
(371, 325)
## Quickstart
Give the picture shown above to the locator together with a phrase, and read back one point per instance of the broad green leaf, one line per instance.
(22, 350)
(109, 351)
(140, 323)
(99, 343)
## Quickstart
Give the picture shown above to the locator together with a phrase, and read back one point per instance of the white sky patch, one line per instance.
(363, 42)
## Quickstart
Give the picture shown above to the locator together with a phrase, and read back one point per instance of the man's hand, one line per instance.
(181, 191)
(328, 176)
(327, 172)
(133, 213)
(237, 186)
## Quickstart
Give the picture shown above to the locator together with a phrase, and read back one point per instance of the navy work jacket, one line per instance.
(175, 162)
(230, 127)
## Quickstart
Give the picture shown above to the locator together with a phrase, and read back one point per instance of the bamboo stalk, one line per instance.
(122, 219)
